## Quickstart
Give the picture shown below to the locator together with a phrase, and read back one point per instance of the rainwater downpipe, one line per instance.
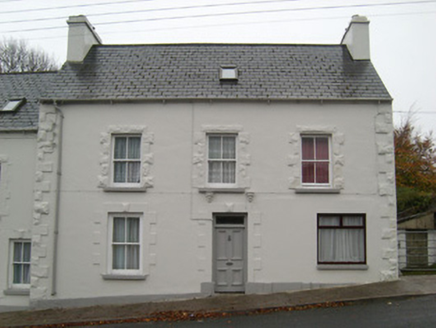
(57, 204)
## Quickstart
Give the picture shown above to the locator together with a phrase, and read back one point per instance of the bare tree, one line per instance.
(16, 56)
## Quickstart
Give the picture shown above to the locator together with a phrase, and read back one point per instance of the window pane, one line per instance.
(308, 172)
(134, 148)
(26, 273)
(341, 245)
(214, 147)
(322, 148)
(229, 172)
(334, 221)
(214, 172)
(356, 250)
(326, 247)
(26, 252)
(352, 220)
(18, 247)
(119, 233)
(133, 230)
(307, 148)
(120, 147)
(134, 168)
(132, 257)
(118, 257)
(120, 172)
(229, 147)
(322, 172)
(17, 273)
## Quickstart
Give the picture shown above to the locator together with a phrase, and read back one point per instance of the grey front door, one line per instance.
(229, 254)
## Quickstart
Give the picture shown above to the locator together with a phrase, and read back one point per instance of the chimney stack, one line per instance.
(81, 37)
(356, 38)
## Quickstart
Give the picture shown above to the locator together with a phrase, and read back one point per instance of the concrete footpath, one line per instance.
(217, 305)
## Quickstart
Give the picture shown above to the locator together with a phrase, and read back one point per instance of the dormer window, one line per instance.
(12, 105)
(228, 73)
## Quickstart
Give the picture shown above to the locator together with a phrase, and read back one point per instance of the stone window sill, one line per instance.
(17, 291)
(342, 267)
(125, 189)
(222, 190)
(124, 276)
(317, 190)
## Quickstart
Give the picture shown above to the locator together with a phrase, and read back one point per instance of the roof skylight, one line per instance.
(228, 73)
(12, 105)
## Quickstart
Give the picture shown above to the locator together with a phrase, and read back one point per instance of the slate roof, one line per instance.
(191, 71)
(31, 86)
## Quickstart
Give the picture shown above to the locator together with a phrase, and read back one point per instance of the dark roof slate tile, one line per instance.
(191, 71)
(32, 87)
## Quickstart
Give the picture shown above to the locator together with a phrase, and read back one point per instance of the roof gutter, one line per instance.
(268, 100)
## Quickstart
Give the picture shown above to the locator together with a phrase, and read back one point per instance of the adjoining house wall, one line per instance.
(177, 208)
(17, 160)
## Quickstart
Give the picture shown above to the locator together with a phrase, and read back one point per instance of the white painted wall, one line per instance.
(281, 227)
(17, 158)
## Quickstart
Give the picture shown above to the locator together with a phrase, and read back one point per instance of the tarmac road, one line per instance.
(397, 312)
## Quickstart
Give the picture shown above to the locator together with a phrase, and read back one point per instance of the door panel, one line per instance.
(230, 259)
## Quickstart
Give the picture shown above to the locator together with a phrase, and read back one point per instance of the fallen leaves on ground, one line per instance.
(172, 316)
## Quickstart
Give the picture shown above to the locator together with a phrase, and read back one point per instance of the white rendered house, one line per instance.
(183, 170)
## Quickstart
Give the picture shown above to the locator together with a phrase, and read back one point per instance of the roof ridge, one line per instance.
(222, 44)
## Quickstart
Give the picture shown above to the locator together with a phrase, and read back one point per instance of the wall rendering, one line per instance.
(176, 205)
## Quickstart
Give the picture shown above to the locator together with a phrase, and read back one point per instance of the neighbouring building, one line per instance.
(183, 170)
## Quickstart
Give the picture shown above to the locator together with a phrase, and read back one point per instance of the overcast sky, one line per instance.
(402, 33)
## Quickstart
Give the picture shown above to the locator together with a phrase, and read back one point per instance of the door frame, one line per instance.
(216, 226)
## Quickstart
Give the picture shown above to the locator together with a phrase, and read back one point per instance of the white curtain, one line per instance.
(26, 259)
(214, 147)
(133, 173)
(120, 171)
(229, 172)
(125, 250)
(214, 174)
(229, 147)
(134, 148)
(341, 245)
(18, 268)
(120, 147)
(132, 255)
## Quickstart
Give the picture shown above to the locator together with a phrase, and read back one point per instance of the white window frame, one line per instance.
(12, 262)
(124, 272)
(113, 160)
(315, 184)
(235, 160)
